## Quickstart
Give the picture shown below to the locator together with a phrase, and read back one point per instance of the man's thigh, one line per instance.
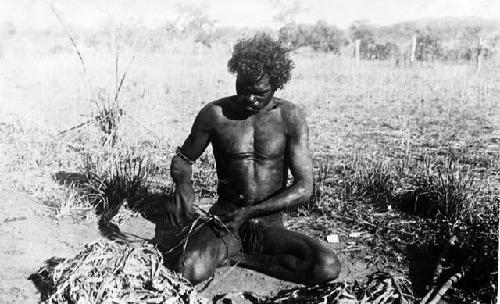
(280, 241)
(204, 244)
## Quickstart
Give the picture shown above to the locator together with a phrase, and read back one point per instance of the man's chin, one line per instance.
(252, 110)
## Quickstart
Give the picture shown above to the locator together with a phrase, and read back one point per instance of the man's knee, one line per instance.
(326, 267)
(195, 268)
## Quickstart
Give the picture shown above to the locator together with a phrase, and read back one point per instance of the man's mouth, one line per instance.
(252, 103)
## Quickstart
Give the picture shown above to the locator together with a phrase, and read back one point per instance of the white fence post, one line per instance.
(479, 55)
(413, 48)
(357, 44)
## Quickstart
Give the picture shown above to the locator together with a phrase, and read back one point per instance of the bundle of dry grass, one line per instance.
(380, 288)
(113, 272)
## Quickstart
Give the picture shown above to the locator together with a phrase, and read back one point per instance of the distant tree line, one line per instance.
(320, 36)
(445, 40)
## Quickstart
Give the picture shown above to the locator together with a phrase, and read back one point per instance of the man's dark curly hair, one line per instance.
(261, 54)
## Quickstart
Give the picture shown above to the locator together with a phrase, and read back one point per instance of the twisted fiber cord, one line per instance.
(252, 236)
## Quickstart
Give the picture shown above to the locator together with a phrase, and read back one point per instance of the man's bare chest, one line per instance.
(263, 136)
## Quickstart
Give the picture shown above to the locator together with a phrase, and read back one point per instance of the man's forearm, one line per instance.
(290, 197)
(184, 195)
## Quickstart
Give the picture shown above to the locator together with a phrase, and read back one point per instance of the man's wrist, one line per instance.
(250, 212)
(181, 155)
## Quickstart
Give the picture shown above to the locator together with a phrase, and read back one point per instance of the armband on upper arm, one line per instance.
(183, 157)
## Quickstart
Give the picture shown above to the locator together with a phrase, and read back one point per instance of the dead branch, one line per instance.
(439, 268)
(117, 93)
(447, 285)
(76, 127)
(427, 295)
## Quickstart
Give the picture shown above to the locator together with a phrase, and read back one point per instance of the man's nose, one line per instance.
(250, 97)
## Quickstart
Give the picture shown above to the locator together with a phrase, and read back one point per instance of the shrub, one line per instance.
(438, 190)
(368, 180)
(428, 48)
(114, 176)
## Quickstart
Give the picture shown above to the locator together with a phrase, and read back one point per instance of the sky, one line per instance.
(36, 14)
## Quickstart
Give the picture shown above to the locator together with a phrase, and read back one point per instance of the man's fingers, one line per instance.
(178, 209)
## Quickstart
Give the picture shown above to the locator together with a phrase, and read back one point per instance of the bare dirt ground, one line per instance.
(29, 237)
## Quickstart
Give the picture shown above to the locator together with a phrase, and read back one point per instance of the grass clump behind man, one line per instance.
(256, 139)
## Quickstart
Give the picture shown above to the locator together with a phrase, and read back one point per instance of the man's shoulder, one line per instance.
(214, 108)
(290, 110)
(217, 105)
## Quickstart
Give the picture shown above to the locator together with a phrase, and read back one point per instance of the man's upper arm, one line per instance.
(199, 137)
(299, 156)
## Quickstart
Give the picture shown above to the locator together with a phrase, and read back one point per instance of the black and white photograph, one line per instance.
(258, 151)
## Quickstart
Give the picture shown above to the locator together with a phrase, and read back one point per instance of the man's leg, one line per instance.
(205, 249)
(294, 257)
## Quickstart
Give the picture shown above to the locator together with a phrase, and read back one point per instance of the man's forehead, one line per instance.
(262, 82)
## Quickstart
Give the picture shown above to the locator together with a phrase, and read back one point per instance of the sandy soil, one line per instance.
(29, 237)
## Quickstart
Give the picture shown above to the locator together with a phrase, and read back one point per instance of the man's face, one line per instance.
(254, 94)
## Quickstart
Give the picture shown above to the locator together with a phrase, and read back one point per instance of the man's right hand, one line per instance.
(180, 206)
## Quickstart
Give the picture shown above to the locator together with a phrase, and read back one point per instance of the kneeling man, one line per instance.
(256, 139)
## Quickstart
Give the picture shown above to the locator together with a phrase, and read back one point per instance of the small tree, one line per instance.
(381, 51)
(428, 48)
(288, 34)
(326, 38)
(365, 32)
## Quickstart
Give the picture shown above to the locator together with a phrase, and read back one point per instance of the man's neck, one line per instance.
(242, 109)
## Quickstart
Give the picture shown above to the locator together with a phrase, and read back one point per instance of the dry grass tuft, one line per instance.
(439, 190)
(116, 176)
(372, 181)
(108, 117)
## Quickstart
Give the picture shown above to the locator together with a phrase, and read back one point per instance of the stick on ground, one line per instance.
(439, 268)
(447, 285)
